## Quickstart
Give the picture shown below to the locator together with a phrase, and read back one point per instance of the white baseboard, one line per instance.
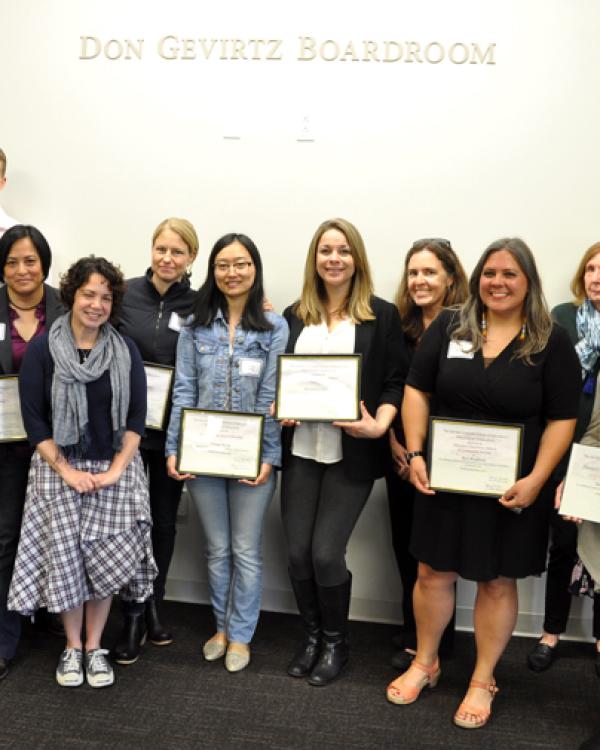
(529, 624)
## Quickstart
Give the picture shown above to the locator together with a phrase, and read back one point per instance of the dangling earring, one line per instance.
(523, 329)
(483, 326)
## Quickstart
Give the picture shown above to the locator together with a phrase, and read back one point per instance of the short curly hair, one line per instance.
(79, 274)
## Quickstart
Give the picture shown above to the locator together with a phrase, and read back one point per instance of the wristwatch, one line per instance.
(413, 454)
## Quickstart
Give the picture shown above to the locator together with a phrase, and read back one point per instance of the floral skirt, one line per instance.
(76, 547)
(582, 583)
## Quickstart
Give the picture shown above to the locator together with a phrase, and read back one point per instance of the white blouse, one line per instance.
(321, 441)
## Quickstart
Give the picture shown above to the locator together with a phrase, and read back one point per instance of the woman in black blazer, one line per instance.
(329, 469)
(28, 307)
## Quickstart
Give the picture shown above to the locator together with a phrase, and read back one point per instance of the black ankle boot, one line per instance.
(131, 639)
(334, 602)
(158, 635)
(307, 654)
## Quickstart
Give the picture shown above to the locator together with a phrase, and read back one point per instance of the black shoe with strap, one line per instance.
(334, 603)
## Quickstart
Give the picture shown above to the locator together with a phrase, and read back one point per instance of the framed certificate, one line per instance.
(159, 379)
(11, 422)
(581, 493)
(220, 443)
(318, 387)
(476, 458)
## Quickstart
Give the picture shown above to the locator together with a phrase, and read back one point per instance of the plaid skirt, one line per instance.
(76, 547)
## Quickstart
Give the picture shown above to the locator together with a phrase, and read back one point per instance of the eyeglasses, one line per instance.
(239, 265)
(438, 240)
(175, 252)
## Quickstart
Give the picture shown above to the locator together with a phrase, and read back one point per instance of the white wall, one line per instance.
(101, 150)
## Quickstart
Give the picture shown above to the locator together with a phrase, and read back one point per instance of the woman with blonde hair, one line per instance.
(581, 320)
(433, 279)
(498, 358)
(329, 468)
(154, 308)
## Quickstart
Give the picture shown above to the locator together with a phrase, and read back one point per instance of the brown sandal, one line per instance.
(481, 715)
(404, 696)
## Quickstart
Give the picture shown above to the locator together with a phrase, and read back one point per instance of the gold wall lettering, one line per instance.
(308, 49)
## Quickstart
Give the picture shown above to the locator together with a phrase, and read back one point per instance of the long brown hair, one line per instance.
(410, 313)
(538, 323)
(311, 306)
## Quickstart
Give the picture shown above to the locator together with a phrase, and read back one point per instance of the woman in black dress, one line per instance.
(433, 278)
(498, 358)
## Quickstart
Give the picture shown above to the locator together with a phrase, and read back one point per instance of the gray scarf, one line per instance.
(69, 399)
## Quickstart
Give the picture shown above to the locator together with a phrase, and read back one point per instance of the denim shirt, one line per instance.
(207, 377)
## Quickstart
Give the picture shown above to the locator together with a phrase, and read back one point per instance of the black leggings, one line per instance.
(319, 506)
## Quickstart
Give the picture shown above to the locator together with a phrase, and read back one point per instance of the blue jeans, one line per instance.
(232, 515)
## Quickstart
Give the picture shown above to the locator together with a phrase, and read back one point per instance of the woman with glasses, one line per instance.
(329, 469)
(227, 360)
(154, 308)
(433, 278)
(497, 358)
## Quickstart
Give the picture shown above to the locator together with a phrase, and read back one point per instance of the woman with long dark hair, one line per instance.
(498, 358)
(226, 360)
(433, 279)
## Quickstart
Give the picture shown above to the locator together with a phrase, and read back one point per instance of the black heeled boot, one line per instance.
(307, 654)
(157, 634)
(334, 603)
(132, 636)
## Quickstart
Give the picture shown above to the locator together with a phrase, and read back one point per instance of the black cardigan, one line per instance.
(383, 371)
(53, 310)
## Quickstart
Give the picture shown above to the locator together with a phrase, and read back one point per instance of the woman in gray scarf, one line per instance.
(86, 523)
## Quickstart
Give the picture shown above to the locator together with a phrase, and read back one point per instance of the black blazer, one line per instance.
(54, 309)
(384, 368)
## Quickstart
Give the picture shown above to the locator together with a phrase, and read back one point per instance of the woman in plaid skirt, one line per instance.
(86, 523)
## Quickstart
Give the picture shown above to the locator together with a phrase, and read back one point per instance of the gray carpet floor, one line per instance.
(173, 699)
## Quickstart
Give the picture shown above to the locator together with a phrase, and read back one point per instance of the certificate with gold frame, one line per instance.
(159, 383)
(318, 387)
(11, 421)
(474, 458)
(220, 443)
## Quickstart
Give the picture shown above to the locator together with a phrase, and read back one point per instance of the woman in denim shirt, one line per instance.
(227, 360)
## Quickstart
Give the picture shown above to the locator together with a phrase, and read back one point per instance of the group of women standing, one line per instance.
(485, 351)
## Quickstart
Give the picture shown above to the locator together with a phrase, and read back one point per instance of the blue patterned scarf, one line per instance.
(588, 346)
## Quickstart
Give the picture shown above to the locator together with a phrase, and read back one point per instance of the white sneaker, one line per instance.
(98, 671)
(69, 672)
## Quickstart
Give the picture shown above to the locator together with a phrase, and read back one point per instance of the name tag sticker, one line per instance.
(2, 331)
(250, 367)
(460, 350)
(175, 322)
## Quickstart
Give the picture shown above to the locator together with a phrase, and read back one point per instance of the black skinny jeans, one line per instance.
(320, 507)
(14, 468)
(561, 559)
